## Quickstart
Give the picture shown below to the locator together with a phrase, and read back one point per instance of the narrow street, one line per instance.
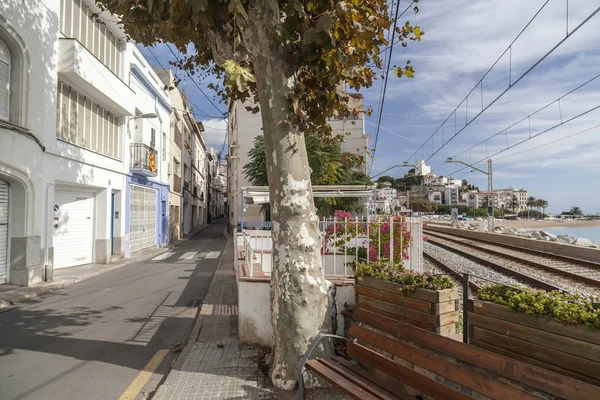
(93, 340)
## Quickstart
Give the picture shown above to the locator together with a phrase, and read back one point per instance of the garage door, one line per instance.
(142, 218)
(3, 231)
(73, 229)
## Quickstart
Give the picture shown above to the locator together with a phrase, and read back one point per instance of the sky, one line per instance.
(462, 40)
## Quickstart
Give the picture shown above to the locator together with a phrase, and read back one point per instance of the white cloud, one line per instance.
(215, 131)
(462, 41)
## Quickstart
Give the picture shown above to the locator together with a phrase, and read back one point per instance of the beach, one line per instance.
(544, 224)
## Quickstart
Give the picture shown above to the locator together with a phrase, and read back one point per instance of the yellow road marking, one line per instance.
(143, 377)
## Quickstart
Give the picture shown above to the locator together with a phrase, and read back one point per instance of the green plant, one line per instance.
(569, 309)
(412, 280)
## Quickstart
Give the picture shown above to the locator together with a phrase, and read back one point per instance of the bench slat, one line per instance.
(398, 391)
(457, 373)
(359, 380)
(519, 371)
(412, 378)
(340, 382)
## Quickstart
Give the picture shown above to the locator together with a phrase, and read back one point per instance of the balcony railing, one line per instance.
(143, 159)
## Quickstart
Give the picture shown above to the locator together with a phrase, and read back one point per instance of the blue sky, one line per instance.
(462, 41)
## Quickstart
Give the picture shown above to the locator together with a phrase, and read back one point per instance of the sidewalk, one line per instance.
(12, 294)
(213, 365)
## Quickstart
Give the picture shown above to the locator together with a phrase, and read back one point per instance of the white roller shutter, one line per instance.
(142, 217)
(73, 229)
(3, 231)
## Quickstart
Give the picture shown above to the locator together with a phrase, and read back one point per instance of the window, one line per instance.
(5, 64)
(82, 122)
(152, 138)
(176, 166)
(79, 22)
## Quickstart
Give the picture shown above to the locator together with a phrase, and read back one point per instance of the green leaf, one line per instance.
(325, 23)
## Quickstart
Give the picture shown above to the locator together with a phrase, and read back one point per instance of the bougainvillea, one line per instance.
(372, 240)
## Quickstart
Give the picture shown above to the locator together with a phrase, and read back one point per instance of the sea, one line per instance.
(589, 232)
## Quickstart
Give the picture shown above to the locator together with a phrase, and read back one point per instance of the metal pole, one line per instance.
(490, 190)
(465, 300)
(241, 227)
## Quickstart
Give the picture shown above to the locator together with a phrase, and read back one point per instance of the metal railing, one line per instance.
(362, 240)
(143, 157)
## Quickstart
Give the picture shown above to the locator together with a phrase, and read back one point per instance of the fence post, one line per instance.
(334, 243)
(368, 239)
(465, 299)
(392, 239)
(346, 246)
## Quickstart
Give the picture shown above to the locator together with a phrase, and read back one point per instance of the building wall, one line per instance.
(29, 29)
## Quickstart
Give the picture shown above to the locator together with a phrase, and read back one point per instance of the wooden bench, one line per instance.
(401, 360)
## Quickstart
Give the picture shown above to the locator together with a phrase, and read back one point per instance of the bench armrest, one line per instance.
(313, 345)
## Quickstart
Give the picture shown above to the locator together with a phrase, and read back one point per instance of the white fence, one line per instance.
(345, 240)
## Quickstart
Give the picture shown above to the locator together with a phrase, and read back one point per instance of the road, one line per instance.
(93, 340)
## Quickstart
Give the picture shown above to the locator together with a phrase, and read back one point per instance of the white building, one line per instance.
(244, 127)
(454, 182)
(199, 179)
(435, 197)
(149, 145)
(217, 185)
(386, 193)
(28, 82)
(422, 169)
(80, 181)
(452, 194)
(434, 180)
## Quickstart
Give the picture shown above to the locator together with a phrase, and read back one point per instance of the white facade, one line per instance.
(66, 140)
(452, 195)
(387, 193)
(244, 126)
(435, 197)
(422, 169)
(199, 182)
(434, 180)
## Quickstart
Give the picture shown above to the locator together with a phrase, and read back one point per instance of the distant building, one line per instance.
(435, 197)
(452, 195)
(387, 193)
(422, 169)
(434, 180)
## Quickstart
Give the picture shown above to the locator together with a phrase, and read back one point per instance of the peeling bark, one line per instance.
(298, 286)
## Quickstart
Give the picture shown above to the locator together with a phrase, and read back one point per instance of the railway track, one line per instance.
(574, 269)
(528, 279)
(474, 284)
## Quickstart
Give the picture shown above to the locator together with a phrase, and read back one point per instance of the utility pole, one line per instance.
(491, 191)
(490, 205)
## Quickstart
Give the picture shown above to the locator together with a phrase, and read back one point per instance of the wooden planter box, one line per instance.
(433, 310)
(572, 350)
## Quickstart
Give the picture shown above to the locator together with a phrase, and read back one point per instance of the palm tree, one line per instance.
(531, 202)
(544, 205)
(575, 211)
(513, 203)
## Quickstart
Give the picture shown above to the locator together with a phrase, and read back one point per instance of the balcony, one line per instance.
(143, 160)
(85, 73)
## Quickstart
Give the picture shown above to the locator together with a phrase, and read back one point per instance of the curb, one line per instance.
(32, 292)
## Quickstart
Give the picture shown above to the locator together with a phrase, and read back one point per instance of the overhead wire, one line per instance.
(195, 83)
(389, 60)
(510, 85)
(528, 117)
(532, 137)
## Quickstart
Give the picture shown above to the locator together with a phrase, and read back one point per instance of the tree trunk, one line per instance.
(298, 286)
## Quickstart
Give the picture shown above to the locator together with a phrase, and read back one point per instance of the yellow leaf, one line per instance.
(417, 33)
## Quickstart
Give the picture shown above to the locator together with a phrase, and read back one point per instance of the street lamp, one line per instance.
(490, 188)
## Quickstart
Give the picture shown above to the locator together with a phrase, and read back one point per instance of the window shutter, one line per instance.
(4, 81)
